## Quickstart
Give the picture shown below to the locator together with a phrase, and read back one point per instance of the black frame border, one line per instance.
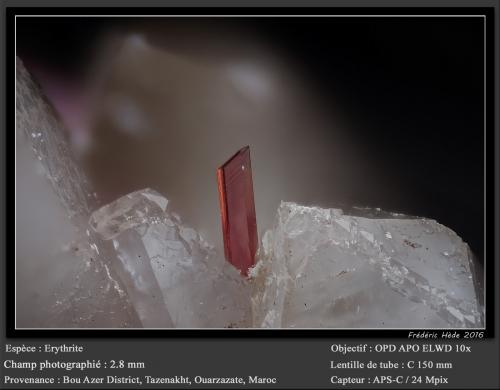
(491, 174)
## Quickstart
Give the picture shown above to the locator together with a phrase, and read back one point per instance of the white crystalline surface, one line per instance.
(321, 268)
(35, 118)
(64, 274)
(159, 255)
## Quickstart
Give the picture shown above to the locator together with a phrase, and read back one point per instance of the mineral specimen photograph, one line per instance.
(249, 172)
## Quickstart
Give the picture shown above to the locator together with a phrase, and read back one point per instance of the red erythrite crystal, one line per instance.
(239, 226)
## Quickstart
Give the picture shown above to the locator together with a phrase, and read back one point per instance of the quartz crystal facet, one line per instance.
(239, 225)
(322, 268)
(171, 274)
(65, 275)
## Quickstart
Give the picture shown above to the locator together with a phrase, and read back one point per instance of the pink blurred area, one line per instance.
(164, 108)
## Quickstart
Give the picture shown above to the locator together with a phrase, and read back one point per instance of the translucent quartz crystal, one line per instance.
(36, 119)
(63, 279)
(162, 258)
(321, 268)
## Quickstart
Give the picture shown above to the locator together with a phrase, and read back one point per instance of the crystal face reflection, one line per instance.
(322, 268)
(171, 273)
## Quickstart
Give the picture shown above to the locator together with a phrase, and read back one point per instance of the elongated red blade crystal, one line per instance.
(239, 225)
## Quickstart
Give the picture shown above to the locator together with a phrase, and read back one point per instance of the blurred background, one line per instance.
(338, 112)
